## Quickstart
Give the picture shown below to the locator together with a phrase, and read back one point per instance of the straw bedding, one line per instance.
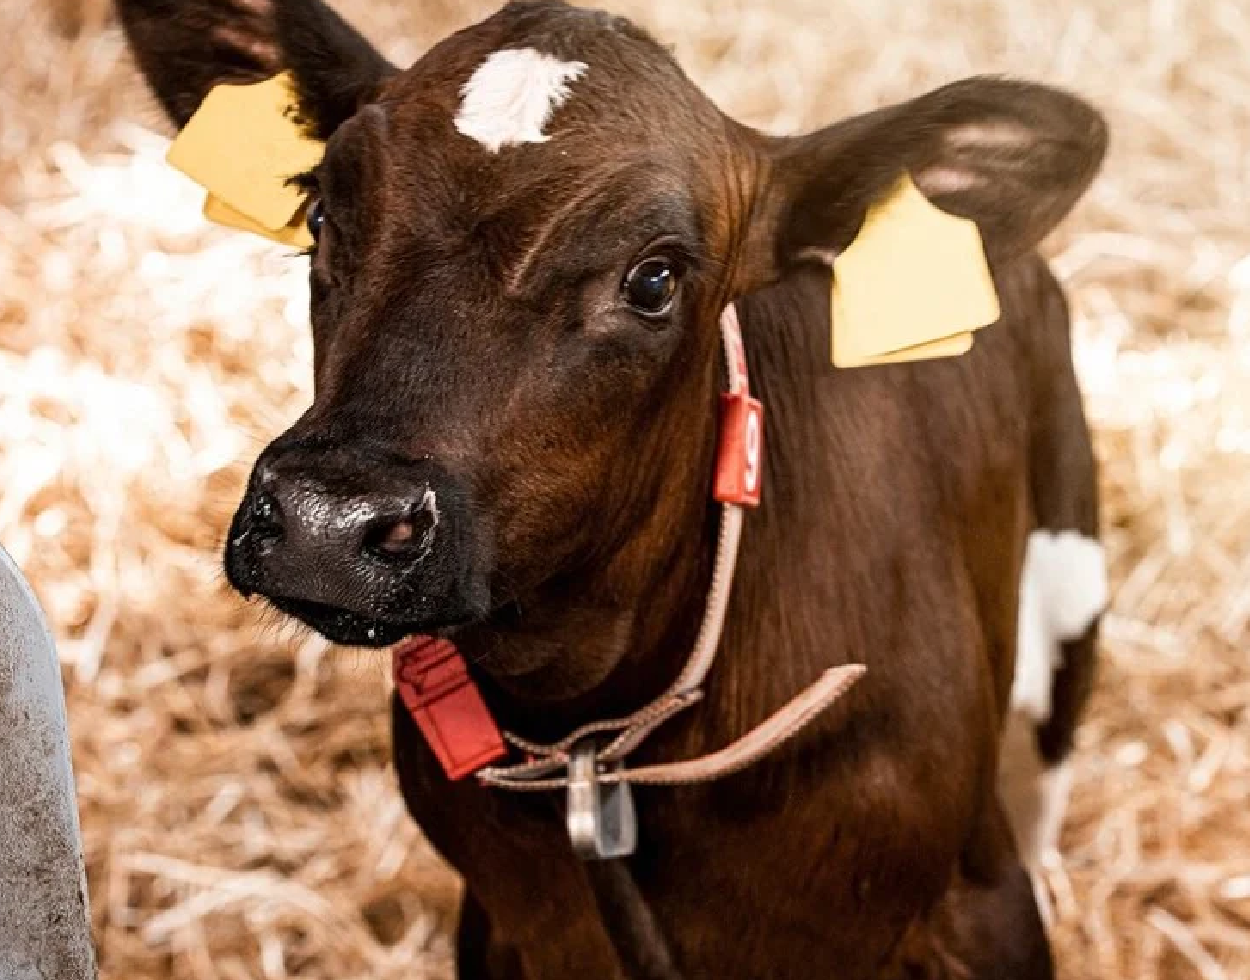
(239, 815)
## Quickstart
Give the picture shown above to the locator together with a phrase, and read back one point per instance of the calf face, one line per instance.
(524, 242)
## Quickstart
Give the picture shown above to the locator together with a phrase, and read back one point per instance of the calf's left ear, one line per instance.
(1012, 156)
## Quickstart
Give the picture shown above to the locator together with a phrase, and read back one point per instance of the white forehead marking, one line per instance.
(512, 96)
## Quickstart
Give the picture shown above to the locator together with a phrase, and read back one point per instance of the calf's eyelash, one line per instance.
(306, 182)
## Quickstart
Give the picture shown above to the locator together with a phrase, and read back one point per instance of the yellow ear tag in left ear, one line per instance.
(295, 234)
(913, 284)
(242, 145)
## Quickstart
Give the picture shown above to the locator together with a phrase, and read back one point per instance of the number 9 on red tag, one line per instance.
(740, 458)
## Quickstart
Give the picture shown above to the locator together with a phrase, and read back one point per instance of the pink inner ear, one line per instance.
(935, 181)
(977, 142)
(263, 50)
(988, 136)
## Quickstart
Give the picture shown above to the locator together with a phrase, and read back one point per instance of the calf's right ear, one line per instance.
(1012, 156)
(185, 47)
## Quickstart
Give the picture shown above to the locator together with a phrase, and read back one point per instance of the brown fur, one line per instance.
(469, 333)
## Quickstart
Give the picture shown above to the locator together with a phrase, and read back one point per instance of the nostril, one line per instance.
(410, 536)
(397, 538)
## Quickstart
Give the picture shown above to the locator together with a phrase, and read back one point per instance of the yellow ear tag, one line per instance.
(295, 234)
(913, 284)
(242, 145)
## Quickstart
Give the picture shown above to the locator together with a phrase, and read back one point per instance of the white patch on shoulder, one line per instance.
(1062, 590)
(512, 96)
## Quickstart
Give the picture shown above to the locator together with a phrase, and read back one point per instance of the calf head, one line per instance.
(524, 244)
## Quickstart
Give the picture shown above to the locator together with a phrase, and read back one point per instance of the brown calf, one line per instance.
(525, 244)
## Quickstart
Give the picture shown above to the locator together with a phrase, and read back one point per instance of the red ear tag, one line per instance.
(433, 682)
(740, 458)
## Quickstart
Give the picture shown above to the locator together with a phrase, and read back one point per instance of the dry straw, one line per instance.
(240, 819)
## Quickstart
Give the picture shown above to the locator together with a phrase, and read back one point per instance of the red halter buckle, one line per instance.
(433, 682)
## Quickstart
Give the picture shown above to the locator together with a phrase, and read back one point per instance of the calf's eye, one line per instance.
(651, 286)
(315, 219)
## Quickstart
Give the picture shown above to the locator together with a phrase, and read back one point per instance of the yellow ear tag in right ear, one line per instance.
(242, 145)
(913, 284)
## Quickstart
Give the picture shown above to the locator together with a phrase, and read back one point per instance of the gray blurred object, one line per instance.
(44, 932)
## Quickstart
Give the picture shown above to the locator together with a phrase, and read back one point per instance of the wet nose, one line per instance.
(306, 517)
(363, 534)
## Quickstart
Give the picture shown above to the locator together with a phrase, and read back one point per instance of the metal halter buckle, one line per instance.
(601, 819)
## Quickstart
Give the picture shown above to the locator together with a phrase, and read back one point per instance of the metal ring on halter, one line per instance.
(601, 819)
